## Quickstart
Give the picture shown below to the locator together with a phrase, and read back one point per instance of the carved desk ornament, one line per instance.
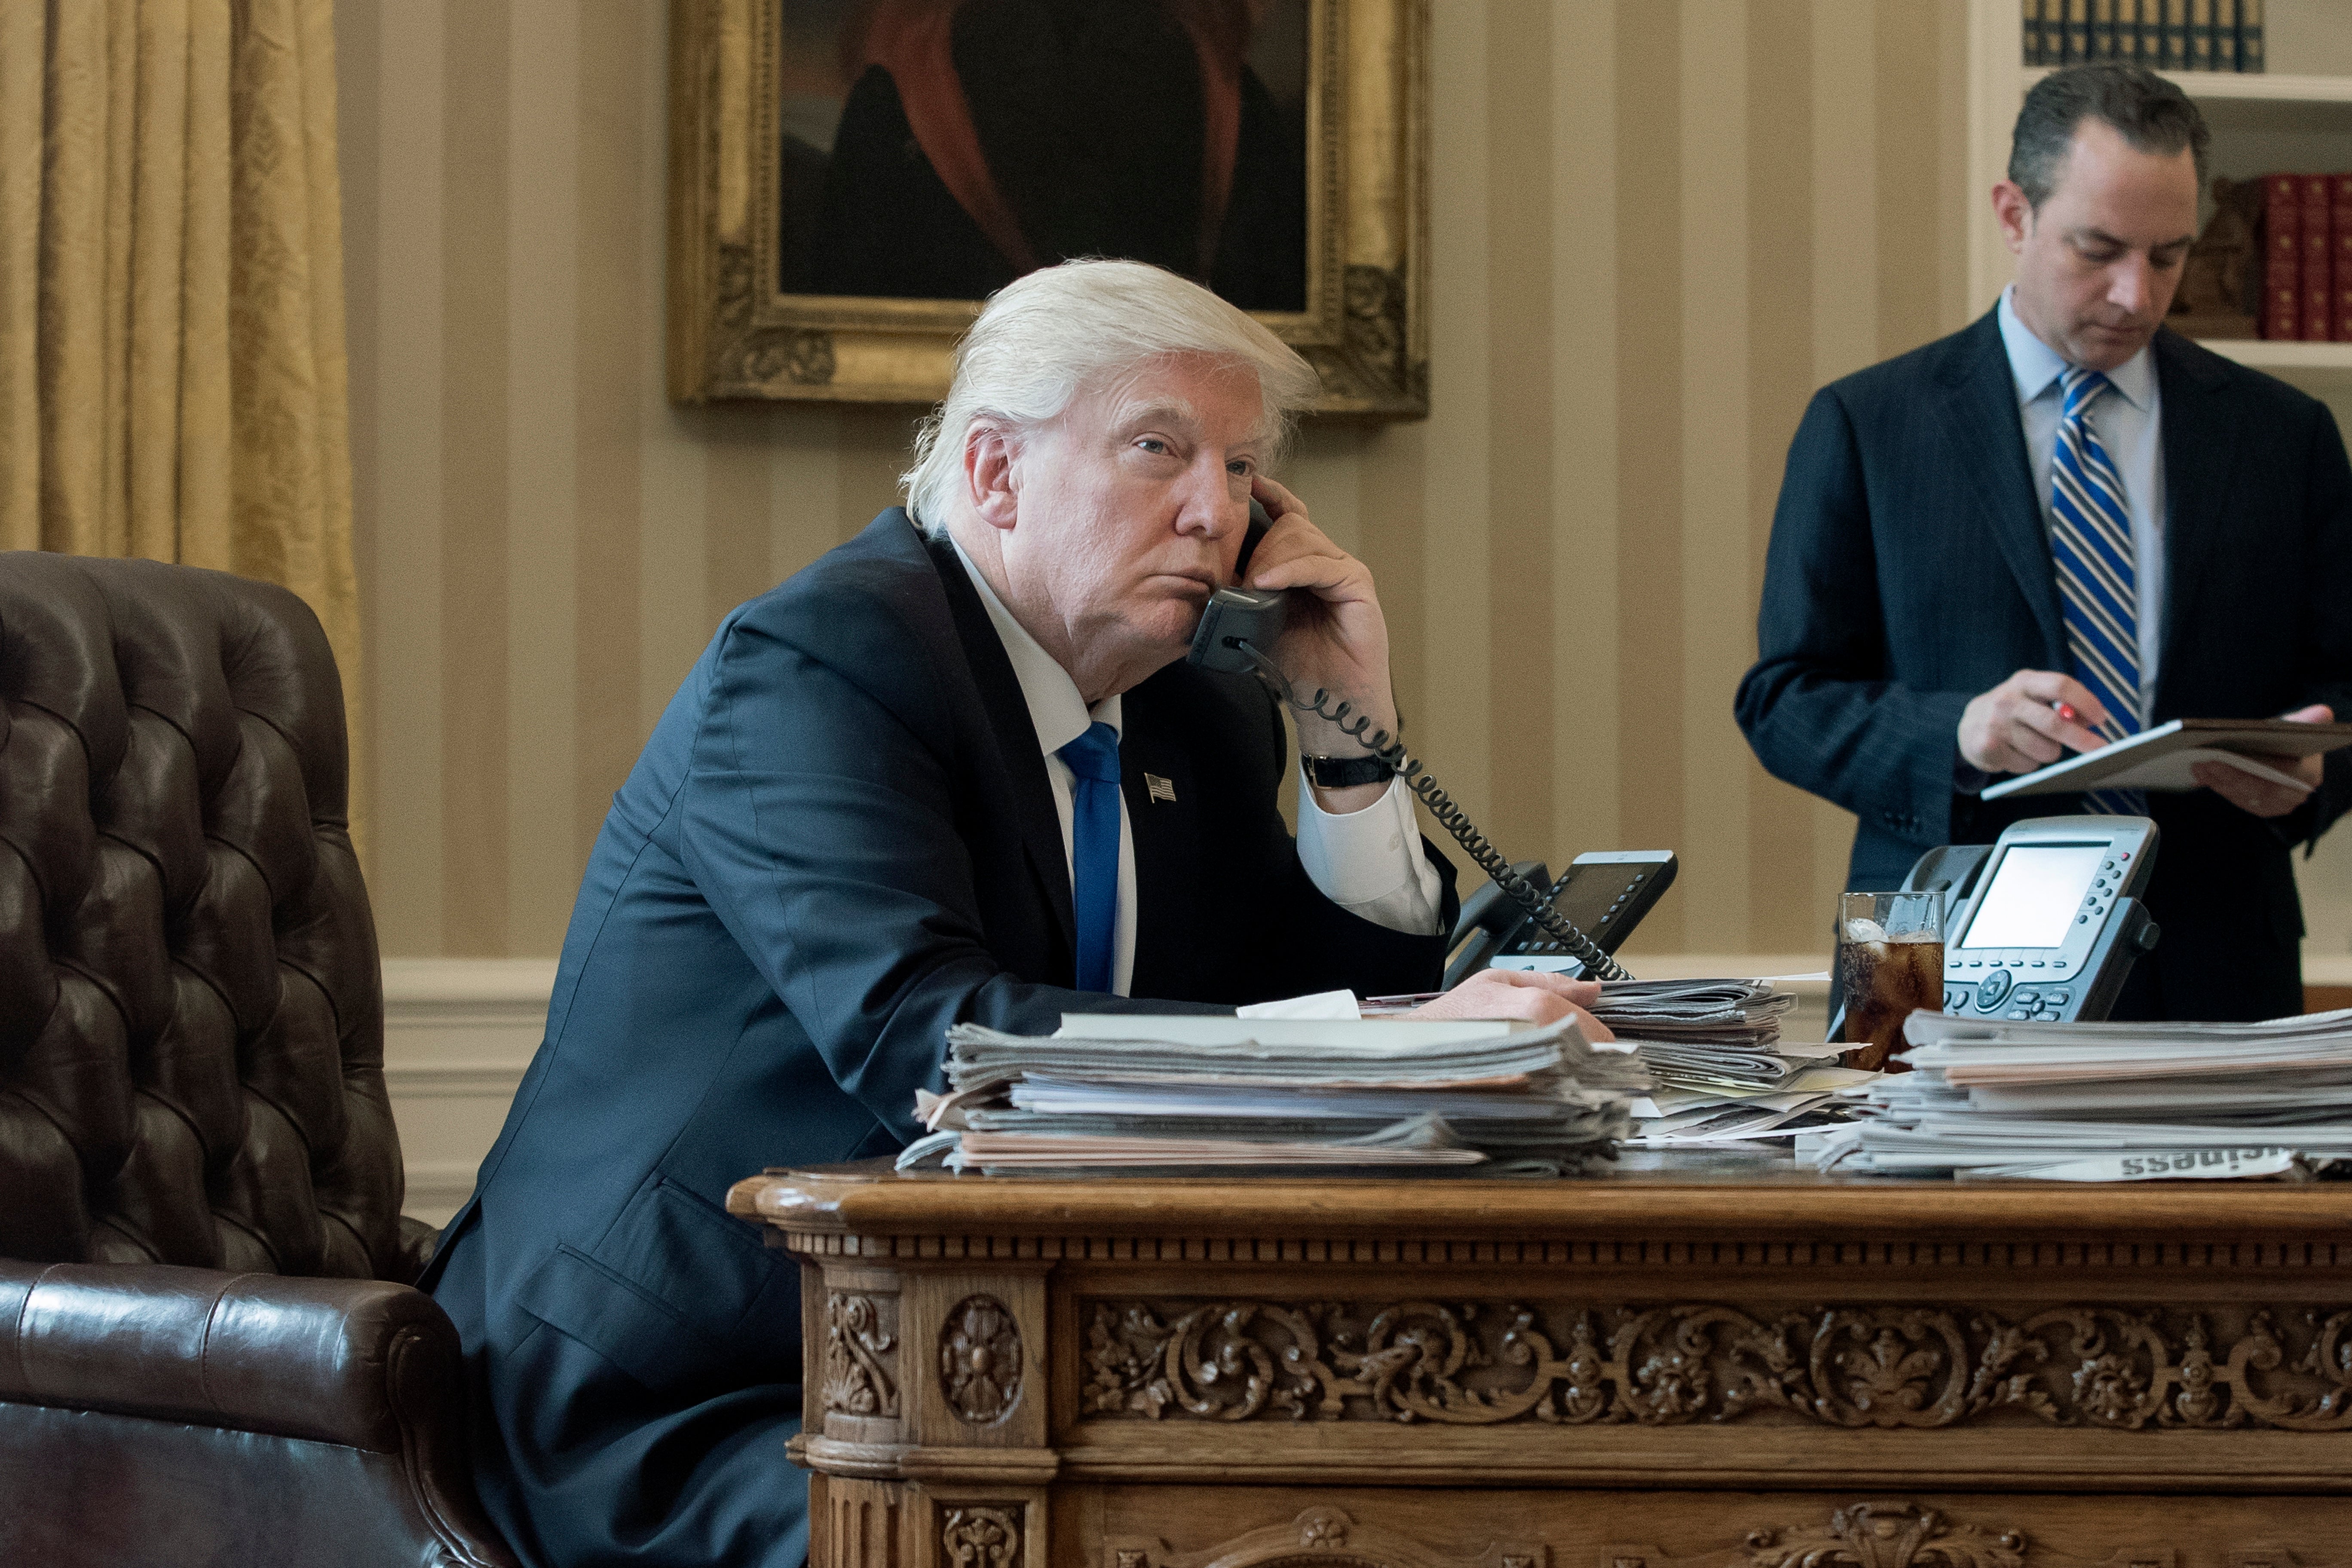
(1767, 1372)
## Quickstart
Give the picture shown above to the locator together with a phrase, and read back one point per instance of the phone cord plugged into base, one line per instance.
(1598, 965)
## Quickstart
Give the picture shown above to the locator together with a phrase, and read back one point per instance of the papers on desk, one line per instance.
(1140, 1091)
(2107, 1101)
(1724, 1074)
(2164, 757)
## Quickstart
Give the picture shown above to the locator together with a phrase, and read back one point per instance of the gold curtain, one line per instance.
(172, 370)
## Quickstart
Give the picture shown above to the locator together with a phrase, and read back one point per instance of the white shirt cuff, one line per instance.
(1370, 862)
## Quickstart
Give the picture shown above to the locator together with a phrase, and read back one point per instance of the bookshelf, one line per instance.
(2296, 116)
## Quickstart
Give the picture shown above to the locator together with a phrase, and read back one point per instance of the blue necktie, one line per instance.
(2091, 544)
(1093, 758)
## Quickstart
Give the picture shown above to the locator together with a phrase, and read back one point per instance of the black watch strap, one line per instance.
(1345, 773)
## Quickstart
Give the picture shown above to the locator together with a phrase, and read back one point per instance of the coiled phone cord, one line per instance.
(1598, 965)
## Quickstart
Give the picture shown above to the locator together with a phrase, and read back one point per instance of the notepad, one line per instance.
(2164, 758)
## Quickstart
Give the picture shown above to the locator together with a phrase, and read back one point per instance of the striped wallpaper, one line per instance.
(1658, 225)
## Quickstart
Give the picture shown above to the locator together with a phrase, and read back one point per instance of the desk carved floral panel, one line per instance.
(1486, 1362)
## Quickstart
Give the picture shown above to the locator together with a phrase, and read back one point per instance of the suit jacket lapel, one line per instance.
(2199, 433)
(1168, 840)
(1016, 737)
(1988, 437)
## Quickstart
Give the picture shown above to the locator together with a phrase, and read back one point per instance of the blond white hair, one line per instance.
(1044, 338)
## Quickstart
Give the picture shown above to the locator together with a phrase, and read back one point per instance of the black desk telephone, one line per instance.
(1237, 633)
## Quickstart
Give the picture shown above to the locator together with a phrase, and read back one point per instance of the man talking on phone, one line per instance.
(2057, 528)
(956, 770)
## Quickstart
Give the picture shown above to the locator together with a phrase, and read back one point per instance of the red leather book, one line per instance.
(2282, 257)
(2339, 260)
(2315, 289)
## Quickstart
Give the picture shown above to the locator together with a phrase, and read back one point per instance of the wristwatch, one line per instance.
(1345, 773)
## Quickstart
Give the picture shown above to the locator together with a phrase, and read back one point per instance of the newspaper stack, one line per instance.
(1724, 1075)
(2102, 1102)
(1142, 1091)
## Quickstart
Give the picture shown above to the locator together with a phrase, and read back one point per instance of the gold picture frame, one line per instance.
(734, 336)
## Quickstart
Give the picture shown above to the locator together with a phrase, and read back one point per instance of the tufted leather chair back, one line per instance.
(191, 1011)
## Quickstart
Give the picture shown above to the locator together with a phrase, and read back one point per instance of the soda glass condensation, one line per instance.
(1890, 955)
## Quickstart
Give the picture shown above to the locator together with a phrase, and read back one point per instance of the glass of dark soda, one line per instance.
(1890, 957)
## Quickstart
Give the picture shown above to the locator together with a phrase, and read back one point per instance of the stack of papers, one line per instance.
(1141, 1091)
(1724, 1074)
(2107, 1101)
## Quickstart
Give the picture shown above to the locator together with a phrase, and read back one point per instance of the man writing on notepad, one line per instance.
(2057, 528)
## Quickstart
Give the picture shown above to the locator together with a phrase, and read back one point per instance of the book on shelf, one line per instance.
(2250, 35)
(2200, 34)
(2339, 258)
(2078, 33)
(2282, 257)
(2130, 32)
(2225, 35)
(2314, 293)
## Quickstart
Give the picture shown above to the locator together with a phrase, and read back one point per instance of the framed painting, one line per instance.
(848, 179)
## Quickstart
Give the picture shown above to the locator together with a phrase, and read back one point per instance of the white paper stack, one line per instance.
(1724, 1074)
(1141, 1091)
(2107, 1101)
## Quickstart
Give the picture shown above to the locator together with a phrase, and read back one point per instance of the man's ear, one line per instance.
(990, 482)
(2015, 212)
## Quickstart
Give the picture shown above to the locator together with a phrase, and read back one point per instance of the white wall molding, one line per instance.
(457, 1034)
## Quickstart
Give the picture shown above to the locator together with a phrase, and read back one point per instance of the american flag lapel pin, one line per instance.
(1158, 789)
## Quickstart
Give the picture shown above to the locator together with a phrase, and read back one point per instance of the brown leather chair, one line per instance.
(209, 1349)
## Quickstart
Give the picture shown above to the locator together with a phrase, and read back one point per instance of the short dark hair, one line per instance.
(2148, 112)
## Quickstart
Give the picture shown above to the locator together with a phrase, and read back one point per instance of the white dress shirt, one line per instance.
(1368, 862)
(2129, 424)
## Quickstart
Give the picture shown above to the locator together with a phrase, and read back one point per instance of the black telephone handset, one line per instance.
(1236, 636)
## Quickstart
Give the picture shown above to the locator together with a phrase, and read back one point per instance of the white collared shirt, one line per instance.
(1368, 862)
(2129, 424)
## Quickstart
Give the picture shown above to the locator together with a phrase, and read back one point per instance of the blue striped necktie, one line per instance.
(2091, 544)
(1093, 759)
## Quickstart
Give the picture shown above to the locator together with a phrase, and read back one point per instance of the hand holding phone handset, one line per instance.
(1237, 628)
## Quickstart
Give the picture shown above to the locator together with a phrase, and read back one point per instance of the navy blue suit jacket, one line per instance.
(840, 840)
(1910, 569)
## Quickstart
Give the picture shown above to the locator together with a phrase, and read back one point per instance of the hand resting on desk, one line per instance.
(1530, 994)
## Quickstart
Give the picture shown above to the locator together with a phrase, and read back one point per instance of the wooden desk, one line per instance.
(1732, 1366)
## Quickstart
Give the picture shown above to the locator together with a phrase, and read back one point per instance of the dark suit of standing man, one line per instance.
(1913, 641)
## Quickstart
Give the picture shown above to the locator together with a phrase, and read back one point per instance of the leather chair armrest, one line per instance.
(362, 1363)
(322, 1359)
(418, 1241)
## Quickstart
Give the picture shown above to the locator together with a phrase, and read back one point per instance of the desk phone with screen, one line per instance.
(1605, 893)
(2052, 921)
